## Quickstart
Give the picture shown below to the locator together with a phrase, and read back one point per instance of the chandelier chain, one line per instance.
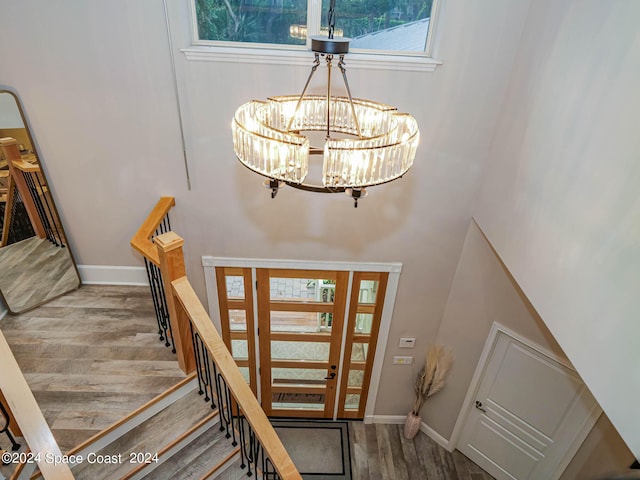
(332, 17)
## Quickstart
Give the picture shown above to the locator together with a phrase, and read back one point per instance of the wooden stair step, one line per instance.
(197, 458)
(151, 436)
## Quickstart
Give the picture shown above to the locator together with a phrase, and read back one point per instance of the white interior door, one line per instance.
(530, 410)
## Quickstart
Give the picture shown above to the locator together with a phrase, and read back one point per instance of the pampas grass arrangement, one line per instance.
(429, 381)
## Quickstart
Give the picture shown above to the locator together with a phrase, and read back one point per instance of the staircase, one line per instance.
(177, 435)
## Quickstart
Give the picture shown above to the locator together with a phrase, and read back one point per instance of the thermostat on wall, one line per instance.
(406, 342)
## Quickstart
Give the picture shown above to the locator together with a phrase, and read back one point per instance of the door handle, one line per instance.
(479, 406)
(331, 376)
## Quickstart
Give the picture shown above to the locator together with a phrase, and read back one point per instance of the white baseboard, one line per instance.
(399, 420)
(109, 275)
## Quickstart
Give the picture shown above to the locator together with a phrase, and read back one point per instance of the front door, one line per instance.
(300, 320)
(305, 364)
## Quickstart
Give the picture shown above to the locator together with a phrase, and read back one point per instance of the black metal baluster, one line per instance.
(33, 191)
(165, 310)
(221, 387)
(198, 361)
(53, 218)
(14, 445)
(154, 297)
(216, 375)
(230, 402)
(208, 364)
(242, 442)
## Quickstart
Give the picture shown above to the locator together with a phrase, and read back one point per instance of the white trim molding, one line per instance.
(400, 419)
(208, 261)
(409, 63)
(113, 275)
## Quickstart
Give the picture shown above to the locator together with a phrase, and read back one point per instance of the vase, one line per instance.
(412, 425)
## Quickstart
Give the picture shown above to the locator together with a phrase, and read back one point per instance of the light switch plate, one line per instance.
(401, 360)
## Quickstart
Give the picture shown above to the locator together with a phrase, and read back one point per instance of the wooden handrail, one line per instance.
(24, 166)
(188, 302)
(141, 241)
(25, 409)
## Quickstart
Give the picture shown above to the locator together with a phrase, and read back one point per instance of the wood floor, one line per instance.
(381, 452)
(91, 357)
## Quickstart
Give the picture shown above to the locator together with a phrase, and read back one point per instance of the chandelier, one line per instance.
(366, 143)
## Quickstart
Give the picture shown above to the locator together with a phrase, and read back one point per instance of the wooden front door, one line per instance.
(300, 320)
(292, 352)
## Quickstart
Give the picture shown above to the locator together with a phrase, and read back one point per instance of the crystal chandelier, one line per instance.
(366, 143)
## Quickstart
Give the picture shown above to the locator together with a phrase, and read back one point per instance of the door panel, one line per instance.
(529, 408)
(365, 311)
(300, 318)
(235, 299)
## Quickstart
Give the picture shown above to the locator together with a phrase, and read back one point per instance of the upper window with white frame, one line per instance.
(374, 26)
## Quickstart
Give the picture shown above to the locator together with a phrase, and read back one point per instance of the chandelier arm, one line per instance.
(329, 58)
(314, 67)
(343, 69)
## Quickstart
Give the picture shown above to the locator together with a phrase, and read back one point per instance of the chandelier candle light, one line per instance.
(366, 143)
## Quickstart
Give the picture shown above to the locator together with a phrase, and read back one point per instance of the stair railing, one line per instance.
(29, 182)
(21, 407)
(157, 223)
(219, 378)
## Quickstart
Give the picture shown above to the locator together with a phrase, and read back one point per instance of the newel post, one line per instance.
(169, 247)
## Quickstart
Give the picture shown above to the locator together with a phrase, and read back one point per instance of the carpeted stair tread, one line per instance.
(148, 437)
(196, 458)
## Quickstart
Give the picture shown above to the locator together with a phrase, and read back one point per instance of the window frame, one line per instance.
(268, 53)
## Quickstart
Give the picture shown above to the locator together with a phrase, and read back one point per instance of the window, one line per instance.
(375, 26)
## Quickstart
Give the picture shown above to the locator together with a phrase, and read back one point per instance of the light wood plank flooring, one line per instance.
(91, 357)
(381, 452)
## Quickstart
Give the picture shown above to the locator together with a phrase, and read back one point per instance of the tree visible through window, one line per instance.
(372, 24)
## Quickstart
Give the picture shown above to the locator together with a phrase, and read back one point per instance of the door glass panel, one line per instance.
(368, 291)
(283, 350)
(299, 376)
(298, 401)
(355, 378)
(238, 320)
(239, 349)
(235, 287)
(359, 352)
(301, 289)
(296, 321)
(352, 402)
(364, 321)
(245, 373)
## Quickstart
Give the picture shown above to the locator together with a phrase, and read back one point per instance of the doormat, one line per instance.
(319, 449)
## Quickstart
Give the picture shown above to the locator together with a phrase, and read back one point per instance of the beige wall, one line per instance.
(483, 292)
(560, 199)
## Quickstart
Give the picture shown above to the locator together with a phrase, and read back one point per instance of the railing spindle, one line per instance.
(14, 445)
